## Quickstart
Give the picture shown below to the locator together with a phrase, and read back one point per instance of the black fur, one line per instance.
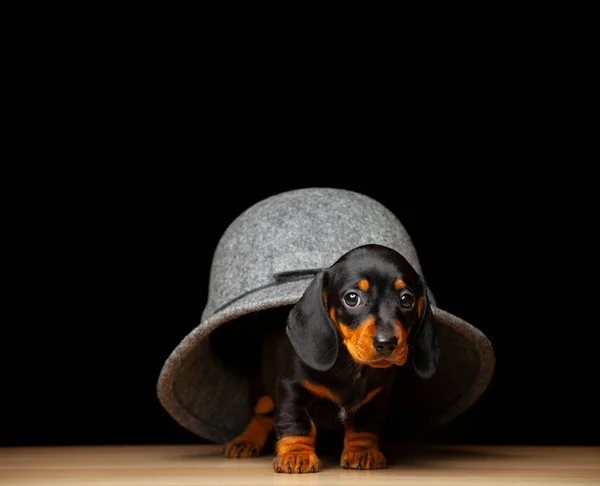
(310, 330)
(425, 344)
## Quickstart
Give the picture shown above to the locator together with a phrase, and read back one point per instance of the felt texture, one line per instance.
(262, 265)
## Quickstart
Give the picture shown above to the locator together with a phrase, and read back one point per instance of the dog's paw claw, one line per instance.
(296, 463)
(242, 449)
(362, 459)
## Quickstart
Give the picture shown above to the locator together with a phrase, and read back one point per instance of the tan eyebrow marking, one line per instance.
(363, 285)
(399, 284)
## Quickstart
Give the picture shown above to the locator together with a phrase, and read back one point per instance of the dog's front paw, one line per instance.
(296, 463)
(242, 448)
(363, 459)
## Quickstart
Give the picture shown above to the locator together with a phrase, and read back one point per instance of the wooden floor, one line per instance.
(204, 465)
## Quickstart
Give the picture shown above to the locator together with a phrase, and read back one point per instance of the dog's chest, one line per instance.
(327, 413)
(345, 413)
(343, 393)
(357, 393)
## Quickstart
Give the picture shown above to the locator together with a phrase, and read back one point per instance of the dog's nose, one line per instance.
(385, 345)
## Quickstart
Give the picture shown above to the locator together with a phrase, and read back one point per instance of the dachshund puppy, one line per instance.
(333, 364)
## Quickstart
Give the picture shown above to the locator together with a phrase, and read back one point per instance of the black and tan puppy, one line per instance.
(333, 364)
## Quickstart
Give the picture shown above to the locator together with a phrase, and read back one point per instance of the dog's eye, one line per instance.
(351, 299)
(407, 300)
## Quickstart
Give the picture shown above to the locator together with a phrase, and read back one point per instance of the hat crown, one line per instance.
(295, 231)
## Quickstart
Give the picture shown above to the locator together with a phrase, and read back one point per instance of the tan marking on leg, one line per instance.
(361, 450)
(264, 406)
(296, 454)
(251, 441)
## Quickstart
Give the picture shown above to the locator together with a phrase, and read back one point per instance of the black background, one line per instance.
(135, 147)
(115, 274)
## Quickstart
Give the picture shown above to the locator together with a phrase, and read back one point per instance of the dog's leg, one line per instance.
(296, 434)
(251, 442)
(361, 436)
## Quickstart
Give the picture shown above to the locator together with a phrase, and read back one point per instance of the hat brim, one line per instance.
(203, 392)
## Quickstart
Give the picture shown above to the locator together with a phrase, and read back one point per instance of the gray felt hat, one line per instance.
(262, 265)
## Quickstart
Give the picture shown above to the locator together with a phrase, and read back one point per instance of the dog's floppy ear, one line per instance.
(310, 328)
(426, 351)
